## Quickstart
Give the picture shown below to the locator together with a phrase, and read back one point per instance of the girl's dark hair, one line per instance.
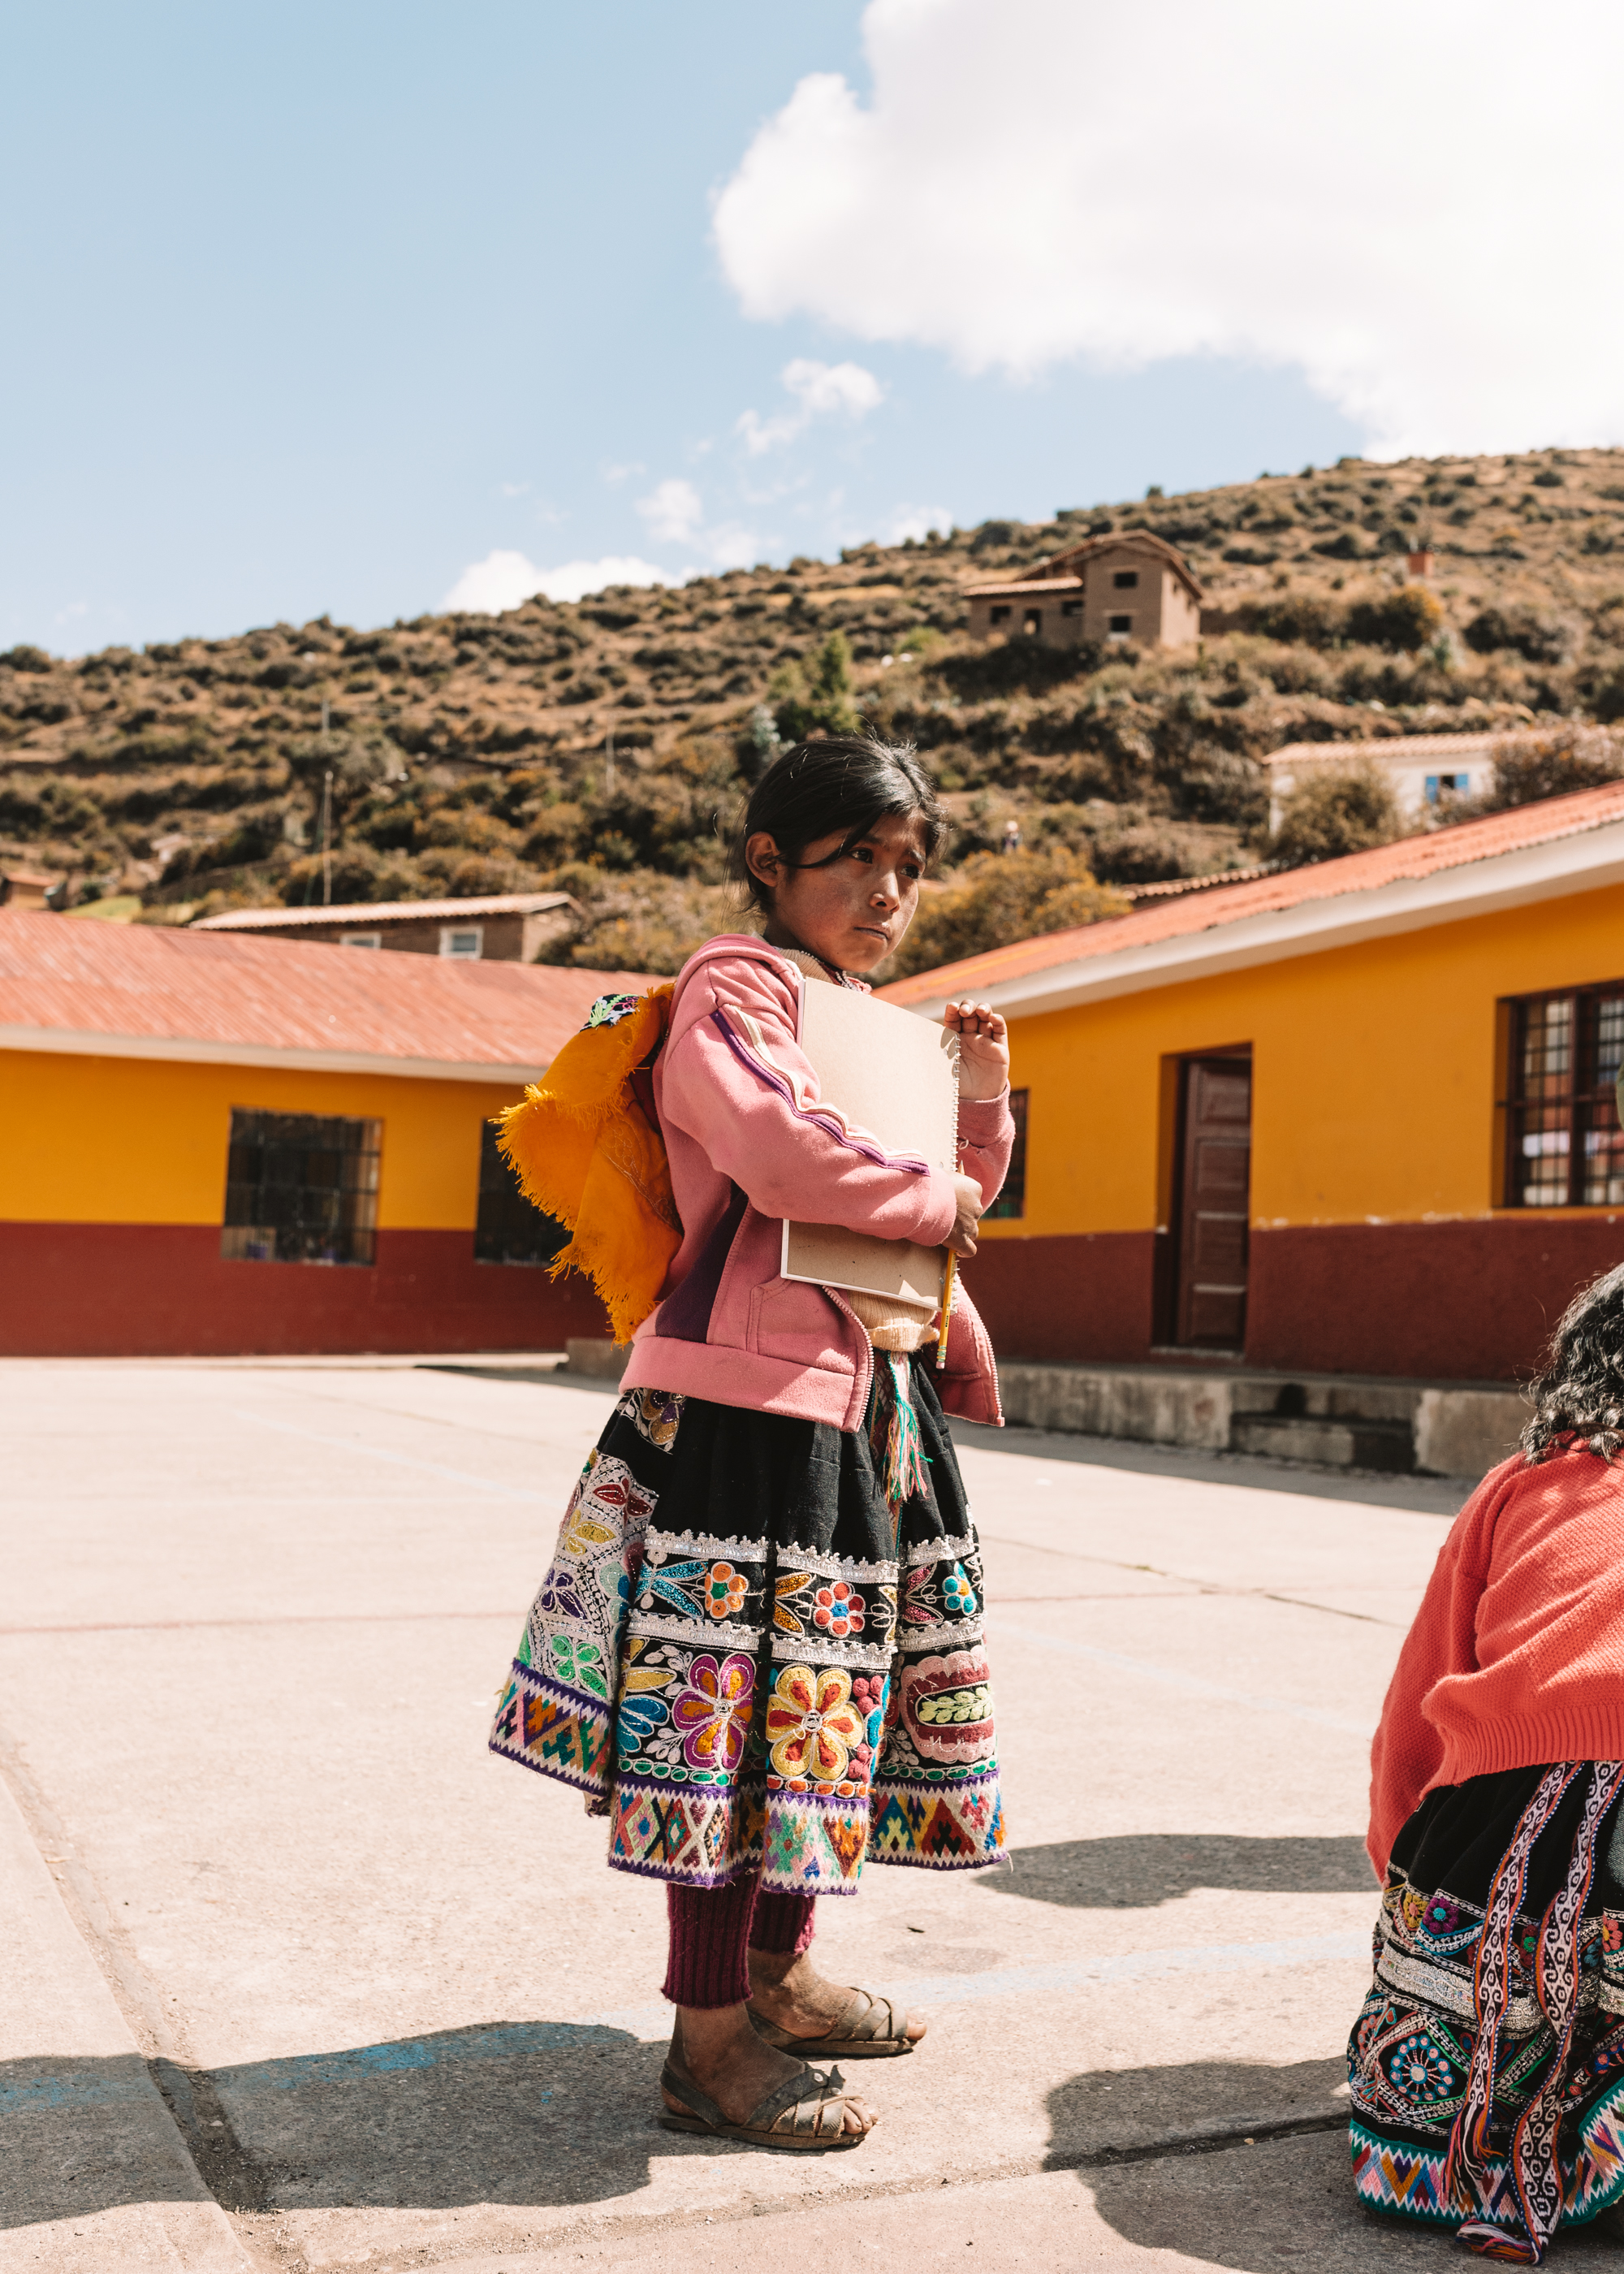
(1580, 1392)
(840, 781)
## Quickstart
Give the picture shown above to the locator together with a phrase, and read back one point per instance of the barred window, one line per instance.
(301, 1188)
(1012, 1199)
(1564, 1146)
(510, 1229)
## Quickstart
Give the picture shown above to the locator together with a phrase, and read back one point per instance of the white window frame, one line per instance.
(360, 939)
(450, 933)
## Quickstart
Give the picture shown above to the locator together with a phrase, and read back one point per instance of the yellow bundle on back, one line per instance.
(586, 1150)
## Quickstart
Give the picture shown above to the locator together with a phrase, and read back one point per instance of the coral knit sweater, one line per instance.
(1517, 1656)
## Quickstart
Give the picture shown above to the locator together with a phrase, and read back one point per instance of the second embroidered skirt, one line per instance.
(748, 1662)
(1486, 2067)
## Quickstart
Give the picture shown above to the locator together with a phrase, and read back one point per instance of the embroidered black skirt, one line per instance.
(1487, 2063)
(749, 1662)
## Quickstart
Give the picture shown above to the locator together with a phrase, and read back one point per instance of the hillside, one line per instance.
(602, 746)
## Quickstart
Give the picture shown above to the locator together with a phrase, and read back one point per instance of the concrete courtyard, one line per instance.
(299, 1975)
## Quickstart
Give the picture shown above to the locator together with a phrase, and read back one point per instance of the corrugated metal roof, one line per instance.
(362, 915)
(175, 992)
(1401, 747)
(1455, 848)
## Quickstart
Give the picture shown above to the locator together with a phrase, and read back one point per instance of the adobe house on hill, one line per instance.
(1109, 589)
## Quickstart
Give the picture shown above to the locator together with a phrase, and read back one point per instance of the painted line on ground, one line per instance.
(397, 1460)
(1174, 1678)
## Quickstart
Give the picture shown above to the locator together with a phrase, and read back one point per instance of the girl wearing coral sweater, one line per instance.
(759, 1648)
(1487, 2064)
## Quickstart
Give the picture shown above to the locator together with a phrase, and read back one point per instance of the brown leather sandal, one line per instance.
(869, 2028)
(806, 2112)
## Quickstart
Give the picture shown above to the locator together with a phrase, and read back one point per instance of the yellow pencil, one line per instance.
(947, 1308)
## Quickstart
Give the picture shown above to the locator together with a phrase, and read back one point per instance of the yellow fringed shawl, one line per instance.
(586, 1152)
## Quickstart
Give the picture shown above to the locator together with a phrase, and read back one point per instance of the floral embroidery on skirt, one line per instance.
(744, 1659)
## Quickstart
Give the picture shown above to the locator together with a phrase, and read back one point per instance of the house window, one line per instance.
(466, 941)
(1031, 623)
(301, 1188)
(999, 615)
(1118, 627)
(1444, 786)
(1070, 608)
(1563, 1142)
(1125, 580)
(1012, 1199)
(510, 1229)
(360, 939)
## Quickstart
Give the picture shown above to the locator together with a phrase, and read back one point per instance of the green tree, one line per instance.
(1330, 814)
(818, 698)
(995, 897)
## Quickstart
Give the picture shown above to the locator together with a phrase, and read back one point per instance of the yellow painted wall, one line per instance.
(135, 1141)
(1374, 1089)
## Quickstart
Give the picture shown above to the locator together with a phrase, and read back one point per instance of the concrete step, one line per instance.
(1354, 1441)
(1334, 1420)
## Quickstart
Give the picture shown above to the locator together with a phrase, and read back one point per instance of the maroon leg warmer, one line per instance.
(783, 1923)
(710, 1933)
(711, 1929)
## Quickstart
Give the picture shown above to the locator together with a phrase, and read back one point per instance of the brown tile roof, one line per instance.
(1426, 855)
(361, 916)
(208, 995)
(1029, 585)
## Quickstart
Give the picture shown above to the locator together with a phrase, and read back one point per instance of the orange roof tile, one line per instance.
(185, 993)
(1423, 856)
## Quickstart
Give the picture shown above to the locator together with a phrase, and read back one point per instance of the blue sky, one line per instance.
(313, 309)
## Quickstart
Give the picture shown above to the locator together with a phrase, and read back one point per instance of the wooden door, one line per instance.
(1214, 1191)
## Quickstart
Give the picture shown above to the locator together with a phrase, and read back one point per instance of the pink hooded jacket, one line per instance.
(749, 1145)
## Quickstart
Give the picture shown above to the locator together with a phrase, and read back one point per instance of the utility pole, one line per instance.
(609, 765)
(327, 831)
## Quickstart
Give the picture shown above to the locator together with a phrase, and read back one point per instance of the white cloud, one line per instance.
(818, 390)
(503, 579)
(1416, 206)
(917, 521)
(674, 511)
(618, 471)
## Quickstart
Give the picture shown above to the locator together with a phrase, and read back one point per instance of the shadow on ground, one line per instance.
(1138, 1870)
(517, 2113)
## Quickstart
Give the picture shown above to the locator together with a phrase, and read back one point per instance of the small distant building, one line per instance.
(502, 928)
(1109, 590)
(26, 888)
(1425, 771)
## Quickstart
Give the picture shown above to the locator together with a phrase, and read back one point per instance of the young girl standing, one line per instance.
(1487, 2064)
(759, 1648)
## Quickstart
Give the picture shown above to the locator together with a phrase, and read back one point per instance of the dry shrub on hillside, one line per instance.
(995, 897)
(1330, 814)
(1573, 758)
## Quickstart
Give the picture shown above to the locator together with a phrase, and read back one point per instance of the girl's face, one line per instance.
(854, 911)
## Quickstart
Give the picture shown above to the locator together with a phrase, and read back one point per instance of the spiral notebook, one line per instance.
(895, 1078)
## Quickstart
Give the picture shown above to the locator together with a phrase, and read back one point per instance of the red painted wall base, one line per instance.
(162, 1291)
(1442, 1302)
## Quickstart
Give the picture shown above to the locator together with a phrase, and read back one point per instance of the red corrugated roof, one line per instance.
(151, 984)
(1359, 872)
